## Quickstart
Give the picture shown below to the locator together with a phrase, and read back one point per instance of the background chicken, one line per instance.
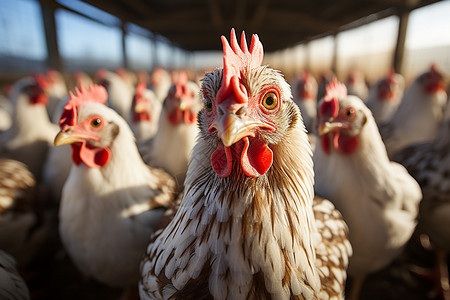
(246, 226)
(172, 145)
(120, 92)
(31, 133)
(160, 83)
(385, 96)
(356, 84)
(419, 115)
(377, 198)
(111, 199)
(305, 95)
(145, 111)
(429, 164)
(55, 89)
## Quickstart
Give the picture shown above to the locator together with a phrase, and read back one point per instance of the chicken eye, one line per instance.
(270, 101)
(350, 113)
(208, 104)
(96, 122)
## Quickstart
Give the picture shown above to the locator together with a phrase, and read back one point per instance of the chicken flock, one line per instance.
(230, 185)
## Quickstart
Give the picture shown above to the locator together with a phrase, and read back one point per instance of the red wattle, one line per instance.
(344, 143)
(256, 157)
(189, 117)
(222, 161)
(141, 117)
(326, 144)
(92, 157)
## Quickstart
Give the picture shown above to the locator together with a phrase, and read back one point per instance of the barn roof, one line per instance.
(197, 24)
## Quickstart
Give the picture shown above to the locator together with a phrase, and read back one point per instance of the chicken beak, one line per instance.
(71, 135)
(231, 128)
(139, 108)
(329, 126)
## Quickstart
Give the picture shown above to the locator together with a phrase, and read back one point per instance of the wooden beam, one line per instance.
(401, 39)
(48, 16)
(124, 46)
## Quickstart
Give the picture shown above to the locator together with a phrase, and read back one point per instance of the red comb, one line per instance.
(95, 93)
(180, 86)
(236, 60)
(139, 90)
(330, 105)
(41, 80)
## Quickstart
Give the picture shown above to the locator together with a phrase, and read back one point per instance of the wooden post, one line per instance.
(48, 16)
(335, 53)
(401, 38)
(124, 46)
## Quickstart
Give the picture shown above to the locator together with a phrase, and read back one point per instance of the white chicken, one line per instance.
(55, 89)
(111, 199)
(356, 84)
(120, 93)
(145, 112)
(160, 83)
(377, 198)
(419, 115)
(172, 145)
(385, 96)
(31, 133)
(305, 95)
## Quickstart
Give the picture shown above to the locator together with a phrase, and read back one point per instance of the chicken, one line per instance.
(12, 285)
(6, 111)
(111, 199)
(172, 145)
(356, 84)
(429, 164)
(377, 198)
(55, 89)
(247, 227)
(160, 83)
(419, 115)
(80, 78)
(23, 229)
(120, 93)
(145, 111)
(305, 95)
(385, 96)
(31, 133)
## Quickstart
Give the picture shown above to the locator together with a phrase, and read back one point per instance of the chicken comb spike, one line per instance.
(95, 93)
(237, 60)
(330, 105)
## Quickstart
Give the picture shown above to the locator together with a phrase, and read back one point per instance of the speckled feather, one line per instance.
(250, 238)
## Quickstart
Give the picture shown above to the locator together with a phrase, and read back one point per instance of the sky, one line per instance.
(22, 33)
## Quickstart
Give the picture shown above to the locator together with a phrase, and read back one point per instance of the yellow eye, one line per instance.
(270, 101)
(208, 104)
(96, 122)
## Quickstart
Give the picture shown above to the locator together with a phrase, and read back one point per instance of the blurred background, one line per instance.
(372, 36)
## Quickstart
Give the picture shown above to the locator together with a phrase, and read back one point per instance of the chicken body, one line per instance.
(145, 112)
(429, 164)
(246, 227)
(356, 84)
(305, 96)
(160, 83)
(22, 227)
(31, 133)
(419, 115)
(111, 199)
(120, 93)
(171, 147)
(385, 96)
(377, 198)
